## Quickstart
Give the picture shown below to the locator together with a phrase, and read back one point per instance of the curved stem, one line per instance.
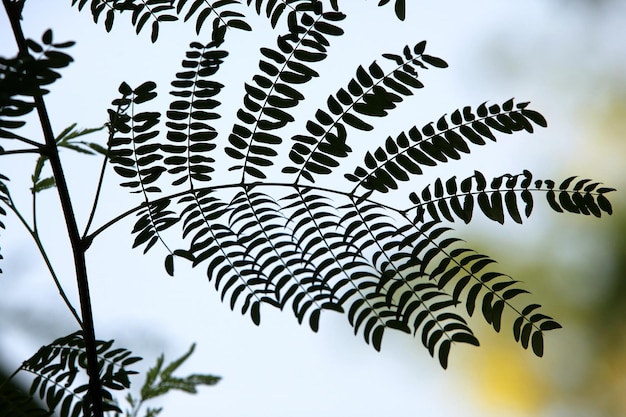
(14, 12)
(35, 235)
(128, 212)
(35, 230)
(87, 242)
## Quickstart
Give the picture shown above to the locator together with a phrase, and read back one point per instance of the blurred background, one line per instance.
(567, 57)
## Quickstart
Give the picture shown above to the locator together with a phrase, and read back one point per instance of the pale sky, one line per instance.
(496, 50)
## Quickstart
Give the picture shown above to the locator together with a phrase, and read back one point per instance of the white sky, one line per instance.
(496, 50)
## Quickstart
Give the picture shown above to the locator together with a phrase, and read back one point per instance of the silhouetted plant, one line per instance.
(280, 239)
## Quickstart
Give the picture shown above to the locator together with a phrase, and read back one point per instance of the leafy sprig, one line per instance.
(160, 380)
(59, 369)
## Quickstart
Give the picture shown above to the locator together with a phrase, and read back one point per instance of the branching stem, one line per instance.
(35, 235)
(247, 186)
(14, 12)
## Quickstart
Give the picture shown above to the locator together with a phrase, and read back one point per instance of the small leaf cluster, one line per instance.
(26, 76)
(399, 7)
(66, 139)
(160, 380)
(142, 12)
(58, 366)
(223, 18)
(274, 9)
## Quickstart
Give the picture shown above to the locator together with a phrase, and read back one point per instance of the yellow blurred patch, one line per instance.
(505, 380)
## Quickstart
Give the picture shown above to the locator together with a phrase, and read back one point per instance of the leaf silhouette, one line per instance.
(280, 239)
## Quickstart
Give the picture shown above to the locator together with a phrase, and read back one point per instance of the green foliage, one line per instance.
(159, 381)
(66, 139)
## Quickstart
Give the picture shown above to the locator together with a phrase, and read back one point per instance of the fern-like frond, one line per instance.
(507, 194)
(309, 248)
(134, 157)
(190, 136)
(57, 368)
(134, 154)
(372, 93)
(434, 143)
(465, 272)
(235, 271)
(266, 102)
(155, 11)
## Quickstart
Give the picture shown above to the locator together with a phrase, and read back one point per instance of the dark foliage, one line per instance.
(278, 238)
(59, 369)
(268, 240)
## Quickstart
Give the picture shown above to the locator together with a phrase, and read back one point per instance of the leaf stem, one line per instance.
(35, 235)
(86, 241)
(18, 151)
(249, 185)
(12, 135)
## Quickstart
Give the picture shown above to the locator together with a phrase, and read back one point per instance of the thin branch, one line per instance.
(11, 135)
(87, 242)
(33, 233)
(19, 151)
(34, 210)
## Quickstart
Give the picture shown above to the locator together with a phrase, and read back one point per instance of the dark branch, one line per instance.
(14, 11)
